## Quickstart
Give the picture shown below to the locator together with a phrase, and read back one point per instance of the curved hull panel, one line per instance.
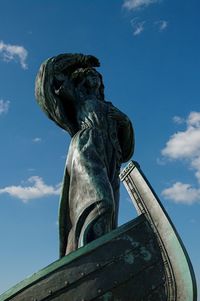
(124, 265)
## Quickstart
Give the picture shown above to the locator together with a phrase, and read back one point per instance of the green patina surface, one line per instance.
(69, 258)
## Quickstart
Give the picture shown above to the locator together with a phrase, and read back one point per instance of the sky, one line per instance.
(149, 54)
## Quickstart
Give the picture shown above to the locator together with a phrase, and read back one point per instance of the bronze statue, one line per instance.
(71, 93)
(143, 259)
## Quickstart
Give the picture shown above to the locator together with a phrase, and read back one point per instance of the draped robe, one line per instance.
(90, 192)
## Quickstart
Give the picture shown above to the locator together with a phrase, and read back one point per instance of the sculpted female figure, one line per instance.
(71, 92)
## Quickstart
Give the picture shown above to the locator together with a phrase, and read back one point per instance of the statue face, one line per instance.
(88, 81)
(93, 80)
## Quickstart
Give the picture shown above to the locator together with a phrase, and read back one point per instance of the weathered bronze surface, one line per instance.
(124, 265)
(71, 93)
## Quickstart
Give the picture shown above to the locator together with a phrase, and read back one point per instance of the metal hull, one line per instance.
(143, 260)
(123, 265)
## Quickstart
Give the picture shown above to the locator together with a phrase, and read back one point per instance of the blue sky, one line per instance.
(149, 54)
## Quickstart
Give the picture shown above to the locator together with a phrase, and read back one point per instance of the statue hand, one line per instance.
(66, 90)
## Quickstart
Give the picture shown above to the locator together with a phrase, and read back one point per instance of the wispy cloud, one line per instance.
(178, 120)
(162, 24)
(10, 52)
(4, 106)
(138, 26)
(35, 188)
(37, 139)
(185, 145)
(31, 169)
(137, 4)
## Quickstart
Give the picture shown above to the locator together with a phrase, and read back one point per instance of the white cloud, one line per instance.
(137, 4)
(13, 52)
(36, 189)
(195, 164)
(185, 145)
(138, 26)
(4, 106)
(182, 193)
(194, 119)
(37, 140)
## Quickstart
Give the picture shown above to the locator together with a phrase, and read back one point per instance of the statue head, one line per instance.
(88, 79)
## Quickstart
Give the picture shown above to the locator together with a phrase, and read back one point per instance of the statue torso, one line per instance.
(93, 113)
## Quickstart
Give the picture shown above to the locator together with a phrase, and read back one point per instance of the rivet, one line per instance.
(66, 282)
(82, 274)
(97, 265)
(50, 292)
(99, 291)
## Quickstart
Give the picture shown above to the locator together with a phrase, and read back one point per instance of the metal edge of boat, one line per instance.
(181, 282)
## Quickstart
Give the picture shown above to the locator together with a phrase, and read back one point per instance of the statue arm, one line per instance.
(125, 132)
(127, 139)
(53, 73)
(64, 66)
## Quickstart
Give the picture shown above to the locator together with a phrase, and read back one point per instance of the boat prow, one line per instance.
(180, 277)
